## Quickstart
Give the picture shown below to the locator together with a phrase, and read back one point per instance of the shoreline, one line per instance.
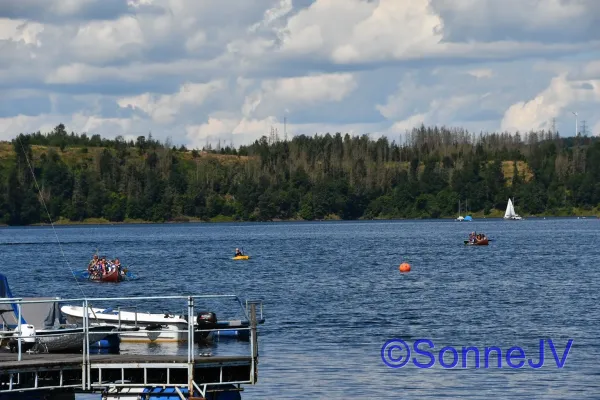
(101, 221)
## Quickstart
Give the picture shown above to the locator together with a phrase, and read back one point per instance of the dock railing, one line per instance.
(92, 367)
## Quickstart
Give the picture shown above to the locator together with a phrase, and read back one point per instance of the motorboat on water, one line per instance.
(146, 327)
(477, 240)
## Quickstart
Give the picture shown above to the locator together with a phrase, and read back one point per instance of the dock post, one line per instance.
(253, 344)
(190, 346)
(84, 366)
(20, 356)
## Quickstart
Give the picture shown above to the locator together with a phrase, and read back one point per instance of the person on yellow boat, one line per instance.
(238, 253)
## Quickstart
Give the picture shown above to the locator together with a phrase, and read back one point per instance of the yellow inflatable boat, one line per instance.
(241, 258)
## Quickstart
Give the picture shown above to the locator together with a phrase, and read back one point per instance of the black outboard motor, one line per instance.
(205, 320)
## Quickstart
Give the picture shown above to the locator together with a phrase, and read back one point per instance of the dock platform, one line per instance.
(38, 371)
(86, 372)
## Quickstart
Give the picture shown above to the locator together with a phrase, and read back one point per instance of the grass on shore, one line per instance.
(563, 212)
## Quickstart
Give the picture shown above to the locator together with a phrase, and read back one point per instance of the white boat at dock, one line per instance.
(133, 326)
(145, 327)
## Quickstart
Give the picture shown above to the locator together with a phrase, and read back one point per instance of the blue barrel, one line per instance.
(112, 342)
(159, 393)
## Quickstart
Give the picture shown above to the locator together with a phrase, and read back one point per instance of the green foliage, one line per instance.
(85, 178)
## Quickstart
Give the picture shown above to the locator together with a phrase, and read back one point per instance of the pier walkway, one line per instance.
(85, 372)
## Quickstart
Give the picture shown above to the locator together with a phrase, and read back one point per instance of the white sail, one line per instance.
(460, 217)
(510, 211)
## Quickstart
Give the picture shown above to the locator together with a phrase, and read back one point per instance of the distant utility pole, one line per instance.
(583, 128)
(284, 128)
(553, 126)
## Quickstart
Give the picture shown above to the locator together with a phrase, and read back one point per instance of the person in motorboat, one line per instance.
(117, 265)
(238, 253)
(92, 264)
(95, 266)
(472, 237)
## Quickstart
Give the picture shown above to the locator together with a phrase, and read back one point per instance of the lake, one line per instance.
(333, 296)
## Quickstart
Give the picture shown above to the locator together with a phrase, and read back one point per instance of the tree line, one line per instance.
(320, 177)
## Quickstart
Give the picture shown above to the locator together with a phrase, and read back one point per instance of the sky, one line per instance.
(230, 70)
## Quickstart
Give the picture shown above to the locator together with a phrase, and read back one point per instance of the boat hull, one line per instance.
(483, 242)
(140, 328)
(61, 340)
(241, 258)
(112, 276)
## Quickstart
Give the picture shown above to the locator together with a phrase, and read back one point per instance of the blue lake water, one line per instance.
(333, 296)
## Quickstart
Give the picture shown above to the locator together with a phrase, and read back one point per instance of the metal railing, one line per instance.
(88, 364)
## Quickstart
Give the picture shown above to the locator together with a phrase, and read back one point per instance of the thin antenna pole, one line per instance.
(48, 213)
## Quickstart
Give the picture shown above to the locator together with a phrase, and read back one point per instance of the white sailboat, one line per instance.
(460, 217)
(510, 212)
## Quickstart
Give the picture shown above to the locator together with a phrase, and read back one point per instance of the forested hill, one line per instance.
(321, 177)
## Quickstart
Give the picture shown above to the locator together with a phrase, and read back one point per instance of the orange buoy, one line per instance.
(404, 267)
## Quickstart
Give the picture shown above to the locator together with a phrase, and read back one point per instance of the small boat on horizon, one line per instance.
(460, 218)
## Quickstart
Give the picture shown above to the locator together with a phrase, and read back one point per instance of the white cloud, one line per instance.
(555, 100)
(163, 109)
(12, 126)
(21, 31)
(406, 125)
(231, 129)
(109, 40)
(195, 42)
(91, 123)
(228, 69)
(481, 73)
(280, 10)
(333, 87)
(229, 126)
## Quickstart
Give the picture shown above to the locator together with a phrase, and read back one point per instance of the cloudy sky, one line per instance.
(198, 70)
